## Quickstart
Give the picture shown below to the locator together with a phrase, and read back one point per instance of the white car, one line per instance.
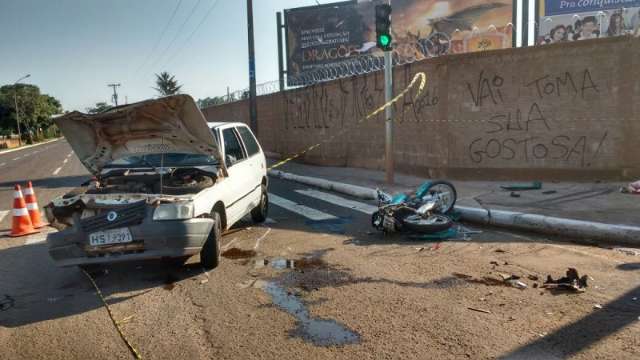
(166, 184)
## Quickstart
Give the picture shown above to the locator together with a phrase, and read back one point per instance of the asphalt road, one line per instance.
(314, 282)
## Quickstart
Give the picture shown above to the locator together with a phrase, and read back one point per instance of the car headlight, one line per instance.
(177, 211)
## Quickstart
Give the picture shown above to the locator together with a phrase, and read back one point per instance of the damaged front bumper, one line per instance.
(150, 239)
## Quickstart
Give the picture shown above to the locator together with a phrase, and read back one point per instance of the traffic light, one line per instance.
(383, 27)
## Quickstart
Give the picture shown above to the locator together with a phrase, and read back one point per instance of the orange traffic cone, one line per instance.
(21, 221)
(32, 206)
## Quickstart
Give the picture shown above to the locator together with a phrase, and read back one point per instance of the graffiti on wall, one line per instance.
(527, 133)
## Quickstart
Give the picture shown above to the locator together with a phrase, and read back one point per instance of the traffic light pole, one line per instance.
(253, 104)
(388, 95)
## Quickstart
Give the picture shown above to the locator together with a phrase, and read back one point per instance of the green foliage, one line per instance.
(99, 108)
(212, 101)
(166, 84)
(35, 109)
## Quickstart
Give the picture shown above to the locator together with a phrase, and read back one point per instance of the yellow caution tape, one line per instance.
(419, 76)
(117, 324)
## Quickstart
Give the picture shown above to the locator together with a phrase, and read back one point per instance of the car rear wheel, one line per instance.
(210, 253)
(259, 213)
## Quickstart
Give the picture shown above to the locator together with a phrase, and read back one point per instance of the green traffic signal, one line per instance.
(384, 40)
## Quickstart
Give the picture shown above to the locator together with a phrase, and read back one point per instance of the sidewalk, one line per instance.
(23, 147)
(593, 202)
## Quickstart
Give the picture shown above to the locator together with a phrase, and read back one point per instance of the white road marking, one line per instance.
(18, 158)
(3, 164)
(57, 170)
(340, 201)
(261, 238)
(3, 214)
(309, 213)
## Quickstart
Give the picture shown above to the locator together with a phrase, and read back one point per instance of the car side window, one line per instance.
(232, 147)
(250, 142)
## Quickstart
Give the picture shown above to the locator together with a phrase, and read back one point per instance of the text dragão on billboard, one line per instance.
(554, 7)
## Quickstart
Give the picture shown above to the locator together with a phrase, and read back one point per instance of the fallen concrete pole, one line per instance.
(574, 229)
(352, 190)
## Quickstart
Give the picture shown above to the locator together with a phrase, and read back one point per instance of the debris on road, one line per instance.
(572, 282)
(633, 188)
(514, 195)
(535, 185)
(549, 192)
(235, 253)
(6, 303)
(597, 306)
(514, 281)
(443, 235)
(480, 310)
(628, 251)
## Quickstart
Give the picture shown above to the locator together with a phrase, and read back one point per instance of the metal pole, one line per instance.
(388, 95)
(253, 104)
(15, 99)
(280, 58)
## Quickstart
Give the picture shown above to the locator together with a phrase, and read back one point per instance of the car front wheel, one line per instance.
(210, 253)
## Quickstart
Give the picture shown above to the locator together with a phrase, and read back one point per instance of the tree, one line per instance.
(208, 101)
(99, 108)
(167, 84)
(35, 109)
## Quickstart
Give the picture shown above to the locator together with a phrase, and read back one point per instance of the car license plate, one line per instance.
(108, 237)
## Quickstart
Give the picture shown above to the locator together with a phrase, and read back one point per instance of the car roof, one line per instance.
(218, 124)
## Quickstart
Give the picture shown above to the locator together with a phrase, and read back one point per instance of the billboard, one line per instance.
(331, 34)
(567, 20)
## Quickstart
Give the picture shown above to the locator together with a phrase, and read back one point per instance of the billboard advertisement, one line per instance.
(566, 20)
(331, 34)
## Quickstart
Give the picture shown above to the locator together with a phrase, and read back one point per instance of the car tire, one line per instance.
(210, 253)
(259, 213)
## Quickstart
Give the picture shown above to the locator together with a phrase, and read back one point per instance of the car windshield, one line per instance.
(166, 160)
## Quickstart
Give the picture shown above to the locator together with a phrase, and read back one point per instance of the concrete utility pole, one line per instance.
(115, 92)
(253, 104)
(15, 100)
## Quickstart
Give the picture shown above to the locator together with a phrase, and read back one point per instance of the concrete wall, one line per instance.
(563, 111)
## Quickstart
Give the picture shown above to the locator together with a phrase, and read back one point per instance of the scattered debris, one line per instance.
(535, 185)
(549, 192)
(572, 282)
(495, 263)
(628, 251)
(535, 285)
(597, 306)
(480, 310)
(514, 281)
(7, 303)
(514, 195)
(500, 251)
(204, 281)
(633, 188)
(507, 280)
(533, 277)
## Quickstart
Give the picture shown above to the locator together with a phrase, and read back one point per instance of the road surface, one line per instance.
(314, 282)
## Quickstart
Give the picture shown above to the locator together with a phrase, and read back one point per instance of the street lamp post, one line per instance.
(15, 100)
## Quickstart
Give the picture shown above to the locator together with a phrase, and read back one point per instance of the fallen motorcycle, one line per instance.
(422, 212)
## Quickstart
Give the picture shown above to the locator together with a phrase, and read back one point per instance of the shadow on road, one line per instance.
(33, 289)
(576, 337)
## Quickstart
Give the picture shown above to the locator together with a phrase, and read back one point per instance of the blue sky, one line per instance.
(74, 48)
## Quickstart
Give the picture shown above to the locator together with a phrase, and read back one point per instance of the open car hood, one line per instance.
(170, 124)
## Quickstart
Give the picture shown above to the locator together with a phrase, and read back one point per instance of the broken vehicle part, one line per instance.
(572, 282)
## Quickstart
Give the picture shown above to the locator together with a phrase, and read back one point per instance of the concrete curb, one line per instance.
(569, 228)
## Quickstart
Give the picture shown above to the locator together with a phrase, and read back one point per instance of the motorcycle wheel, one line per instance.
(376, 220)
(447, 194)
(430, 225)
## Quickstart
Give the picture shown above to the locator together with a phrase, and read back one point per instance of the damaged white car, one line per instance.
(166, 184)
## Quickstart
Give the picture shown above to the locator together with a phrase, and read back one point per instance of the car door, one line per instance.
(255, 158)
(239, 180)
